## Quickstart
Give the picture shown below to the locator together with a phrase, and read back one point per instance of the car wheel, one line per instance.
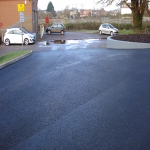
(49, 32)
(100, 32)
(26, 41)
(62, 32)
(111, 33)
(7, 42)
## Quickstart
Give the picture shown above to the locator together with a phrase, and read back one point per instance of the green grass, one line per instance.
(86, 31)
(120, 31)
(12, 55)
(129, 31)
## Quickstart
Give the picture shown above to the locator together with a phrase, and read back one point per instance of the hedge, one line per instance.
(95, 26)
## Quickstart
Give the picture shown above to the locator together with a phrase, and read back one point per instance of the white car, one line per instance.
(17, 36)
(108, 29)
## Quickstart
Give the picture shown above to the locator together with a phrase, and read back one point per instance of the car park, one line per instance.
(18, 36)
(56, 28)
(108, 29)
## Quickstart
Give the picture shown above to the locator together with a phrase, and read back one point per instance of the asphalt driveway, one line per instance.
(89, 98)
(95, 41)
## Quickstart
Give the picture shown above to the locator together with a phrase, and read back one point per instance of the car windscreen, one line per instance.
(63, 25)
(110, 26)
(24, 31)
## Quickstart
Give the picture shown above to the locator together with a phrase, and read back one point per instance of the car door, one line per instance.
(59, 27)
(17, 36)
(10, 36)
(54, 28)
(104, 29)
(109, 29)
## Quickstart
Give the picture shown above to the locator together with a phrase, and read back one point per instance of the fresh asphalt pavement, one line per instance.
(76, 99)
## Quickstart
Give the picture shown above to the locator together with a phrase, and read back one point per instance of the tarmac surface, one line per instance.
(54, 42)
(88, 98)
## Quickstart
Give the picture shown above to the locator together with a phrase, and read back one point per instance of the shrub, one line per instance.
(122, 26)
(94, 26)
(82, 25)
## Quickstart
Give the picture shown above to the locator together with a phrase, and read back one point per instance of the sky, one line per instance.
(80, 4)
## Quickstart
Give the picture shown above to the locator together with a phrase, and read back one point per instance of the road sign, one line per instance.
(21, 20)
(21, 7)
(21, 16)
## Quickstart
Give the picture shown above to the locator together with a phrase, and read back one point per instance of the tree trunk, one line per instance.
(137, 19)
(138, 8)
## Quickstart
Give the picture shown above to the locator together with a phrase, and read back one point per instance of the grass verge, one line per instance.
(86, 31)
(124, 31)
(129, 31)
(12, 55)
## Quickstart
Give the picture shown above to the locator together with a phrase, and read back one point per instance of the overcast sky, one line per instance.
(80, 4)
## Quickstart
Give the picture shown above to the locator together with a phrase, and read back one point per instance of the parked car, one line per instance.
(17, 35)
(108, 29)
(56, 28)
(24, 29)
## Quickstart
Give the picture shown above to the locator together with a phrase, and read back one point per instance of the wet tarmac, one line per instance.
(78, 99)
(73, 44)
(68, 41)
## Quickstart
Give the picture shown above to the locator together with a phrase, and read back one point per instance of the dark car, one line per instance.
(56, 28)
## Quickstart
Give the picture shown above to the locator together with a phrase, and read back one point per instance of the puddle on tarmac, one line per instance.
(68, 44)
(68, 41)
(59, 41)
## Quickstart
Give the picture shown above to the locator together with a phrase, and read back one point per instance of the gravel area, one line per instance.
(143, 38)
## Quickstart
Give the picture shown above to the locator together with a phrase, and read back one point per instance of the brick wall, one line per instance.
(9, 15)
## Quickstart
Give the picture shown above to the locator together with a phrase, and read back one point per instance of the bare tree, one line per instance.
(59, 14)
(66, 12)
(138, 7)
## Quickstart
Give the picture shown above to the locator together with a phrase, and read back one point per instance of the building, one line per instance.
(95, 13)
(73, 13)
(10, 17)
(85, 13)
(125, 9)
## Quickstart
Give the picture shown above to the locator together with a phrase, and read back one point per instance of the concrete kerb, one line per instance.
(15, 60)
(116, 44)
